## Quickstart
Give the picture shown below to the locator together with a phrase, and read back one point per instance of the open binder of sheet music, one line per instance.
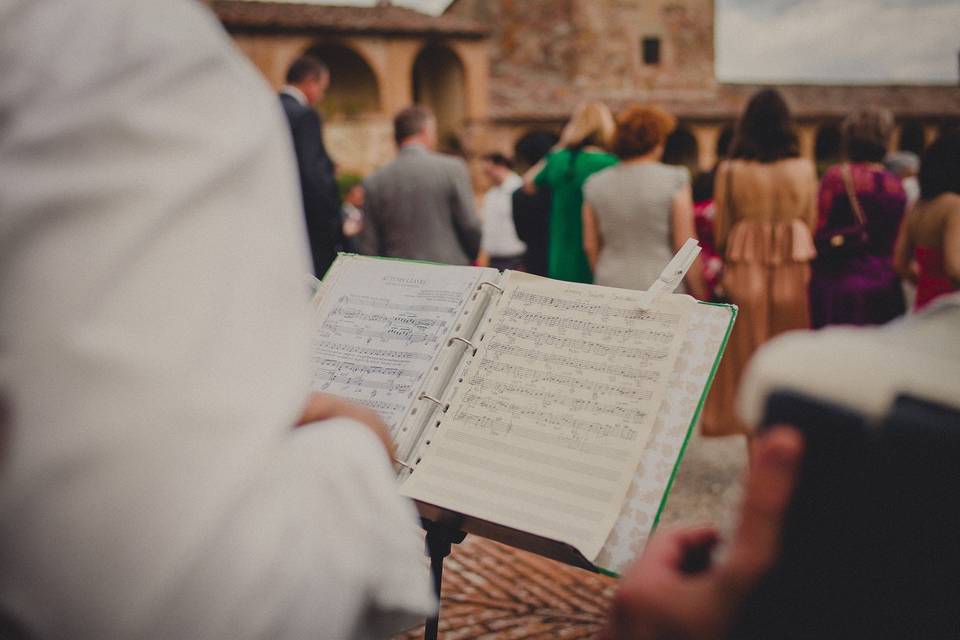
(548, 415)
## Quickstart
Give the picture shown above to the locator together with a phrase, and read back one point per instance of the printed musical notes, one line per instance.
(381, 327)
(574, 372)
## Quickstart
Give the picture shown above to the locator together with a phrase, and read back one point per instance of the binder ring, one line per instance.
(403, 464)
(424, 396)
(490, 284)
(463, 340)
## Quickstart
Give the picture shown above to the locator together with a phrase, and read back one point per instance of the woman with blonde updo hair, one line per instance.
(581, 152)
(636, 214)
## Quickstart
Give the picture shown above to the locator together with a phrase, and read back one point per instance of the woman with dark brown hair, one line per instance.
(766, 207)
(637, 213)
(928, 248)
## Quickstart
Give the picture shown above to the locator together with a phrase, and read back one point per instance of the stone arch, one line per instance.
(439, 82)
(354, 89)
(682, 148)
(912, 137)
(827, 146)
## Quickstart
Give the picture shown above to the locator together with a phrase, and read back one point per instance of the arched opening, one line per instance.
(681, 149)
(353, 87)
(439, 82)
(912, 137)
(826, 146)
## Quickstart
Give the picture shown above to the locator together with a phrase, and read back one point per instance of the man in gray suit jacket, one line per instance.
(420, 206)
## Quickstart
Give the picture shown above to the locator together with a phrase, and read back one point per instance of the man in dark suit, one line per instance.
(420, 206)
(307, 81)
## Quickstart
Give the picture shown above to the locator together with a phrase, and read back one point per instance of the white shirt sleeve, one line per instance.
(153, 350)
(861, 368)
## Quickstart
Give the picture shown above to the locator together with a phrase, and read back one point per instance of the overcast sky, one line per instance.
(908, 41)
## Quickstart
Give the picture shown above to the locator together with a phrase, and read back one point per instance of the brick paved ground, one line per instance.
(491, 591)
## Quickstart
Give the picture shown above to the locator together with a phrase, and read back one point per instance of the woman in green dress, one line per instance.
(580, 153)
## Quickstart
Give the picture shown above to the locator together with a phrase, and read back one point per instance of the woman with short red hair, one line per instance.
(636, 214)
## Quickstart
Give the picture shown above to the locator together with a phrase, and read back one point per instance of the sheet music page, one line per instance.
(381, 327)
(545, 433)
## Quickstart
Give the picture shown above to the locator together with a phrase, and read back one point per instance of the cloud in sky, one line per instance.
(881, 41)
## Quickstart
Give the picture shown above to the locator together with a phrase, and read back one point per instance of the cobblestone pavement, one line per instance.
(491, 591)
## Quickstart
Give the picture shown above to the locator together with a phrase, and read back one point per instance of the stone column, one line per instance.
(707, 136)
(807, 133)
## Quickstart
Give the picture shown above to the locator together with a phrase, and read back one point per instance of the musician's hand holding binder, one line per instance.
(549, 415)
(674, 590)
(324, 406)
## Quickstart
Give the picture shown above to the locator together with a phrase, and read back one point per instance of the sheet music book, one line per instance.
(549, 415)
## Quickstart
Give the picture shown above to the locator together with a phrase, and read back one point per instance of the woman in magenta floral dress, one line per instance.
(850, 286)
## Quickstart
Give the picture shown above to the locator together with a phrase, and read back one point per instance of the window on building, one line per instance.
(650, 47)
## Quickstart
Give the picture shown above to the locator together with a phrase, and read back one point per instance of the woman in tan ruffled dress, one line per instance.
(766, 209)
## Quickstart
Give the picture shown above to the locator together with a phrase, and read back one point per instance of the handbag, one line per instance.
(847, 241)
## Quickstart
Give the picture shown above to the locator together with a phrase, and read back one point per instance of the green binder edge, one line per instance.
(693, 421)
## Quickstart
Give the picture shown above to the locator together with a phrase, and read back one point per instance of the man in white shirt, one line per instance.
(154, 339)
(500, 247)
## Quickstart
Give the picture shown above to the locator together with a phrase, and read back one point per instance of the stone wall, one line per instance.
(549, 55)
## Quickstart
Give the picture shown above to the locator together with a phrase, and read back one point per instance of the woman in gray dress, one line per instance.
(638, 213)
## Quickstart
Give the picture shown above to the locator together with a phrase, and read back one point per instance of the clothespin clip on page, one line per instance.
(671, 276)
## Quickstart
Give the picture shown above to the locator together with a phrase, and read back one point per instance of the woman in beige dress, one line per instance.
(766, 209)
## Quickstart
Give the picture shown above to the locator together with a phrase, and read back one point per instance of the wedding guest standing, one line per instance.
(419, 206)
(861, 206)
(638, 213)
(500, 247)
(765, 197)
(928, 250)
(307, 82)
(583, 151)
(531, 211)
(704, 210)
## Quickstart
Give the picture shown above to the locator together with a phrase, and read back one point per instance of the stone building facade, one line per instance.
(495, 69)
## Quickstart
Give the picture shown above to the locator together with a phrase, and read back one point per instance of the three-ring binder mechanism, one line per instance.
(672, 275)
(464, 341)
(444, 373)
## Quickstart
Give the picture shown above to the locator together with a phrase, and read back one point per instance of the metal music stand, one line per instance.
(440, 538)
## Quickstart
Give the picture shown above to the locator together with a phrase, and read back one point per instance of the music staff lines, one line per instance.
(532, 455)
(355, 370)
(400, 333)
(498, 349)
(383, 303)
(458, 475)
(533, 375)
(526, 474)
(604, 311)
(562, 526)
(571, 344)
(373, 354)
(551, 399)
(573, 441)
(348, 313)
(578, 429)
(585, 327)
